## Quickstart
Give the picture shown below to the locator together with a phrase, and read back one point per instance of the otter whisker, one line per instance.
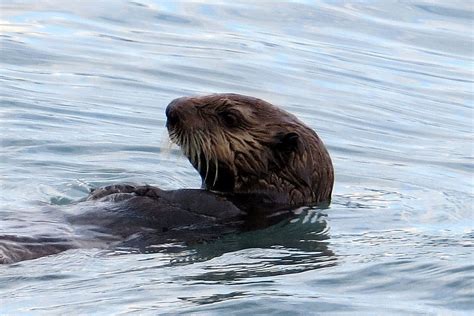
(217, 170)
(208, 155)
(197, 151)
(199, 138)
(207, 168)
(186, 146)
(198, 157)
(183, 144)
(191, 149)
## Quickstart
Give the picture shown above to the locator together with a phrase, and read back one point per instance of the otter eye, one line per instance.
(230, 119)
(287, 142)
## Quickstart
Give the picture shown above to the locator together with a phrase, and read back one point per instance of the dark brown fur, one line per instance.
(241, 144)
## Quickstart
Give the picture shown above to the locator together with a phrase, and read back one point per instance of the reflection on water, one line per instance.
(297, 245)
(387, 85)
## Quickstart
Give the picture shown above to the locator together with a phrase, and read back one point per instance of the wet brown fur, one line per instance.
(242, 144)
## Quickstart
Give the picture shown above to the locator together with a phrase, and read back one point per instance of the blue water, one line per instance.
(388, 85)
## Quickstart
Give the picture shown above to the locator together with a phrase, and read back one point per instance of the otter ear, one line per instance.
(287, 142)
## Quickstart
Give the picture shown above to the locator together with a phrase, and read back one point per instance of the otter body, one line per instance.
(257, 163)
(144, 217)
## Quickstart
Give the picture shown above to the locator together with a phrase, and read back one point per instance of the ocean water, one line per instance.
(388, 86)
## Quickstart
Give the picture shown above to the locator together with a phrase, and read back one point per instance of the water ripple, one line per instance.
(387, 85)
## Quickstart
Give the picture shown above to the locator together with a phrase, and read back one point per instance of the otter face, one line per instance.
(243, 144)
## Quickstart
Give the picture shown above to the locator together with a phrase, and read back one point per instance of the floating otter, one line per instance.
(242, 145)
(257, 163)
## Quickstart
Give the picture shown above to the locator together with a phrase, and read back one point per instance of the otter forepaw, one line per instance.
(111, 189)
(149, 191)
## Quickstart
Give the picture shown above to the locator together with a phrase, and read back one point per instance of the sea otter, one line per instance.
(257, 163)
(244, 145)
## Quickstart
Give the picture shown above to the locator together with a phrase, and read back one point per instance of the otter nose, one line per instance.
(171, 114)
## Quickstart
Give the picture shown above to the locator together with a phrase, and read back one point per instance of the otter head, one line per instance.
(241, 144)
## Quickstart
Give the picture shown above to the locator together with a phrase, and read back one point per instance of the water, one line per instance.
(388, 85)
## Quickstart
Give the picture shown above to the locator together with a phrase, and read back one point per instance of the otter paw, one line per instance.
(109, 190)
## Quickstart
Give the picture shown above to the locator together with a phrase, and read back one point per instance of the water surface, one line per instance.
(388, 85)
